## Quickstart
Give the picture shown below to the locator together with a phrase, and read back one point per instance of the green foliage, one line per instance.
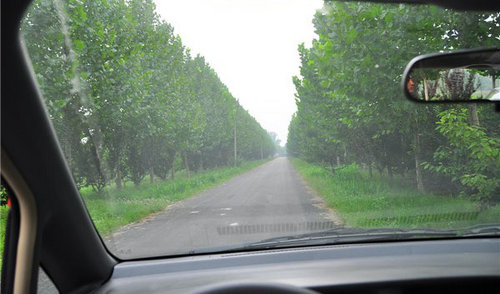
(126, 98)
(351, 109)
(4, 211)
(471, 156)
(3, 195)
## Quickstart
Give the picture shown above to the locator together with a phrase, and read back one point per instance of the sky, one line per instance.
(252, 45)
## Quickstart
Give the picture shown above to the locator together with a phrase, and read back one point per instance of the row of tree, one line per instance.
(126, 98)
(351, 107)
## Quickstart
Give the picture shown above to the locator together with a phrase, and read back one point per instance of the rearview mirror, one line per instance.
(463, 76)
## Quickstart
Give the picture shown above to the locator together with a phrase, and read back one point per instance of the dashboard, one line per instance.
(458, 266)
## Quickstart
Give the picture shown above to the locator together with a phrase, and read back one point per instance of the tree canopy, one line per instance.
(351, 107)
(126, 97)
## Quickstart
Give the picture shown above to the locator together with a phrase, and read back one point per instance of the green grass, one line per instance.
(113, 209)
(362, 201)
(4, 209)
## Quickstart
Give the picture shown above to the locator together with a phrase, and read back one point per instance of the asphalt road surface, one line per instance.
(269, 201)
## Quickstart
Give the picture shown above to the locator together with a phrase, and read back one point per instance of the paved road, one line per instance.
(268, 201)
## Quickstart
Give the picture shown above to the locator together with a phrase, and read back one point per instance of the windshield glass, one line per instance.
(204, 126)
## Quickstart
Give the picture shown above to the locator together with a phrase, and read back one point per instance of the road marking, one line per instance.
(233, 224)
(222, 214)
(195, 211)
(226, 208)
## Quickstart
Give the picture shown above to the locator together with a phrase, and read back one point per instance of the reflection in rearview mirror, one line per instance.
(458, 77)
(456, 84)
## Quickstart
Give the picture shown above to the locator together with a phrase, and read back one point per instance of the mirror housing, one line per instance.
(462, 76)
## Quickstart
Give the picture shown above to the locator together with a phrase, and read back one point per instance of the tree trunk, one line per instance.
(473, 116)
(389, 171)
(370, 169)
(186, 164)
(172, 164)
(118, 173)
(68, 132)
(418, 162)
(387, 162)
(151, 175)
(76, 83)
(338, 160)
(261, 153)
(235, 148)
(426, 91)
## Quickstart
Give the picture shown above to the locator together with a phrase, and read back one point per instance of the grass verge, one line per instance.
(113, 209)
(362, 201)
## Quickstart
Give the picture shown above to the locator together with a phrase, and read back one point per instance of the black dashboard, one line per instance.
(458, 266)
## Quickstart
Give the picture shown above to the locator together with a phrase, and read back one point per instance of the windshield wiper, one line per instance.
(348, 235)
(481, 230)
(355, 235)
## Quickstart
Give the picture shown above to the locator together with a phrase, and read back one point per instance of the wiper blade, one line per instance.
(482, 230)
(349, 235)
(332, 236)
(344, 235)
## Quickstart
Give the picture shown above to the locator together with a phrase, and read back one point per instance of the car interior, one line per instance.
(49, 228)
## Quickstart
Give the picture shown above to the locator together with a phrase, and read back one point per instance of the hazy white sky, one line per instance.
(252, 45)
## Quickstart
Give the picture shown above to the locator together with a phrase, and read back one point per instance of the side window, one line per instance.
(45, 284)
(4, 212)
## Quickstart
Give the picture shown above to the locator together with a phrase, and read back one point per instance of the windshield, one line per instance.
(205, 126)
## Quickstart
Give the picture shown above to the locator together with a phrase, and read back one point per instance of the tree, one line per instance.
(127, 98)
(350, 108)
